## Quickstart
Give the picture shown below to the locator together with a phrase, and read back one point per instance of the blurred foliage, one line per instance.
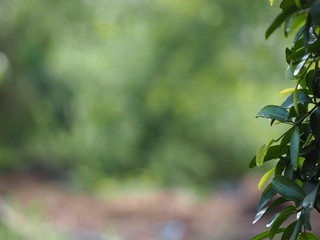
(158, 90)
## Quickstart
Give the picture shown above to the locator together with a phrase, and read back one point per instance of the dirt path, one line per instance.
(164, 215)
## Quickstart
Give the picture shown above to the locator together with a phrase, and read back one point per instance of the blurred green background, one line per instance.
(162, 92)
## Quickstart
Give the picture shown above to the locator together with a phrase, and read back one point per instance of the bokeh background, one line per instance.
(120, 107)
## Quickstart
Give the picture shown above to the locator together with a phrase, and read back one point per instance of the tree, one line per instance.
(296, 175)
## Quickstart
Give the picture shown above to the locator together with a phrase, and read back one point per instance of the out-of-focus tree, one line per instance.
(158, 89)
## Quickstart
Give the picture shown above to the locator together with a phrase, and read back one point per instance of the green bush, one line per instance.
(296, 174)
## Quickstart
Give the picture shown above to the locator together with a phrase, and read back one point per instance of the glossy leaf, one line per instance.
(266, 195)
(296, 230)
(287, 212)
(265, 210)
(294, 147)
(288, 188)
(300, 66)
(309, 200)
(299, 34)
(274, 112)
(301, 98)
(289, 72)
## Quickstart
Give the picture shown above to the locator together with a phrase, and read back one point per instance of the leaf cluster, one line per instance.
(296, 174)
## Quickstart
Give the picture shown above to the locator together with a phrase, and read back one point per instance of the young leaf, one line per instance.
(265, 178)
(274, 112)
(287, 90)
(288, 188)
(261, 153)
(294, 148)
(274, 152)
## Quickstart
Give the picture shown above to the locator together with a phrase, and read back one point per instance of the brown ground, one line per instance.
(164, 215)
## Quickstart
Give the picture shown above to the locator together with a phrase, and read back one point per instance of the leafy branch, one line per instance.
(296, 174)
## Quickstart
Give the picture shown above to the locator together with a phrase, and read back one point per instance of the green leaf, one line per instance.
(299, 34)
(265, 178)
(289, 72)
(309, 200)
(294, 148)
(296, 230)
(309, 79)
(305, 216)
(274, 112)
(288, 232)
(315, 123)
(281, 165)
(288, 188)
(279, 20)
(302, 110)
(286, 4)
(261, 153)
(300, 66)
(301, 98)
(309, 168)
(266, 195)
(274, 152)
(315, 12)
(264, 235)
(308, 236)
(298, 3)
(271, 2)
(287, 212)
(286, 138)
(263, 211)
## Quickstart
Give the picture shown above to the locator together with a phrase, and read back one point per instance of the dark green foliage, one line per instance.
(297, 173)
